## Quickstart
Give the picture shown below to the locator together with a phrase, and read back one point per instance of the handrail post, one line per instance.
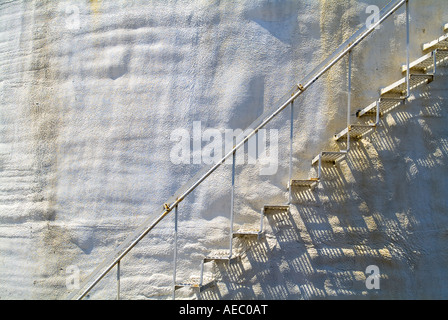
(435, 61)
(291, 137)
(201, 277)
(175, 253)
(349, 98)
(378, 110)
(118, 279)
(232, 202)
(408, 71)
(319, 168)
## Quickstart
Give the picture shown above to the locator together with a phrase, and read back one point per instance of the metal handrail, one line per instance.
(115, 258)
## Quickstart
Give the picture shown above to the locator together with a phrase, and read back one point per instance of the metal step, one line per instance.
(275, 208)
(220, 258)
(247, 233)
(400, 86)
(386, 104)
(426, 62)
(329, 156)
(356, 131)
(309, 183)
(440, 43)
(194, 284)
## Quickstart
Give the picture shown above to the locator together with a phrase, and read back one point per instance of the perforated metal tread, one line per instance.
(267, 208)
(192, 284)
(400, 87)
(248, 233)
(386, 104)
(309, 183)
(356, 131)
(329, 156)
(426, 62)
(440, 43)
(195, 284)
(220, 258)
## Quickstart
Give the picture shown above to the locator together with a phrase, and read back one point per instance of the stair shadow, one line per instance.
(320, 250)
(267, 263)
(333, 184)
(340, 246)
(235, 279)
(302, 195)
(338, 251)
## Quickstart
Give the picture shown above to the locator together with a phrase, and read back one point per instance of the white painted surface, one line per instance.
(86, 116)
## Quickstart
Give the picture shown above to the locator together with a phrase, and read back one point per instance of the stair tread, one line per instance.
(399, 87)
(427, 61)
(241, 231)
(386, 104)
(276, 207)
(219, 258)
(303, 182)
(441, 42)
(329, 156)
(194, 283)
(187, 284)
(246, 233)
(356, 131)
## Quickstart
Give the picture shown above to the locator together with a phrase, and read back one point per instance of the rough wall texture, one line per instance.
(85, 121)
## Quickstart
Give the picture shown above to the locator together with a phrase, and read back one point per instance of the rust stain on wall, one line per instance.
(335, 29)
(44, 114)
(95, 6)
(45, 120)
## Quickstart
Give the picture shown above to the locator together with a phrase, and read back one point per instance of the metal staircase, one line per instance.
(419, 72)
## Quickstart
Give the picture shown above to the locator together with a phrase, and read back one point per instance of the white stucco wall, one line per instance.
(86, 117)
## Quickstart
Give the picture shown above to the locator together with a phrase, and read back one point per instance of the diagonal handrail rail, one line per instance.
(113, 259)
